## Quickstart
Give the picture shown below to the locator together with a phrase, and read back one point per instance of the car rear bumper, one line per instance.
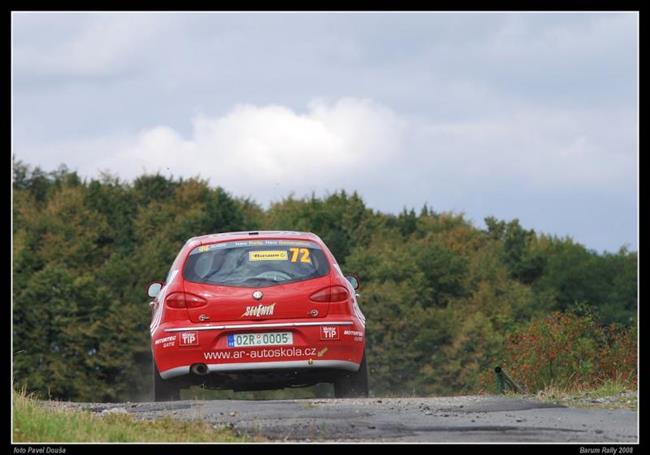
(260, 366)
(179, 345)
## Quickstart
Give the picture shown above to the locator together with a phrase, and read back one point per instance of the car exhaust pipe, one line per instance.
(199, 369)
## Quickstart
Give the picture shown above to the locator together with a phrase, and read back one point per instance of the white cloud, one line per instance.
(267, 152)
(254, 149)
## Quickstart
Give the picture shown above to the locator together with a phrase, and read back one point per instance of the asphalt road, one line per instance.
(450, 419)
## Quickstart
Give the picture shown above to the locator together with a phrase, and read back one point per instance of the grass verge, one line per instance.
(609, 395)
(35, 423)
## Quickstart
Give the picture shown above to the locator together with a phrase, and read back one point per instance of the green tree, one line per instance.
(442, 298)
(524, 263)
(341, 221)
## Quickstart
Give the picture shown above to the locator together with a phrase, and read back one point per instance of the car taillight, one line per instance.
(184, 300)
(330, 294)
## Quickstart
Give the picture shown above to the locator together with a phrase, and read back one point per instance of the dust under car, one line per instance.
(254, 311)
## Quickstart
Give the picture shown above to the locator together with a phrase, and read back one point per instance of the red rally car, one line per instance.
(257, 310)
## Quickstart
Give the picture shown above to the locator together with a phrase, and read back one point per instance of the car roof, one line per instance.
(247, 235)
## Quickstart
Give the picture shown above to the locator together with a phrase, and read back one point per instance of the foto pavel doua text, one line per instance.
(39, 450)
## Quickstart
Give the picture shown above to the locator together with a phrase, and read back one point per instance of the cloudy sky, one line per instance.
(515, 115)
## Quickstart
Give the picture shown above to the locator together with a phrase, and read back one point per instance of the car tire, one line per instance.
(353, 385)
(165, 390)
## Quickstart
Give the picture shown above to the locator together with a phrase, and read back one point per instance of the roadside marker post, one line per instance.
(503, 381)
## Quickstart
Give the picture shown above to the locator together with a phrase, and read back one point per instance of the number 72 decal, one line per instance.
(302, 252)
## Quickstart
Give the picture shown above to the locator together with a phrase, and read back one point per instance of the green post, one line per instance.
(512, 384)
(503, 381)
(500, 380)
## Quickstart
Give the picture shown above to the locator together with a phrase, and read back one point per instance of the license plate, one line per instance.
(237, 340)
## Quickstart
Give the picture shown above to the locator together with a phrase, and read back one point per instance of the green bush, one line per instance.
(569, 351)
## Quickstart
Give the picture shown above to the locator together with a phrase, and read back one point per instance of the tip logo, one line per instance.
(189, 339)
(329, 333)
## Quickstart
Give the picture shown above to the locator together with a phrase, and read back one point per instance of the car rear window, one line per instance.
(255, 263)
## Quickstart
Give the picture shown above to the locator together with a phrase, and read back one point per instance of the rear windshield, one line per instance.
(255, 263)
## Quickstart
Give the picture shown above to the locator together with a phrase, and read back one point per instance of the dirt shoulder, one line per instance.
(627, 399)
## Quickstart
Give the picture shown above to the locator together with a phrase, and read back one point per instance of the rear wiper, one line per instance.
(260, 279)
(236, 281)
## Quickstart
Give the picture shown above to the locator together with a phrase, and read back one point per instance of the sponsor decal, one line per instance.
(204, 248)
(329, 333)
(358, 336)
(297, 243)
(244, 243)
(269, 255)
(166, 341)
(189, 339)
(322, 352)
(259, 310)
(261, 353)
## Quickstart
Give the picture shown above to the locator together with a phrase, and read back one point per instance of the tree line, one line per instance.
(442, 296)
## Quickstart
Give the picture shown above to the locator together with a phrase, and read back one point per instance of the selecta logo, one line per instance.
(259, 310)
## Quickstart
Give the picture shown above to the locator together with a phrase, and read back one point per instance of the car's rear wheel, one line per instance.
(165, 390)
(353, 385)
